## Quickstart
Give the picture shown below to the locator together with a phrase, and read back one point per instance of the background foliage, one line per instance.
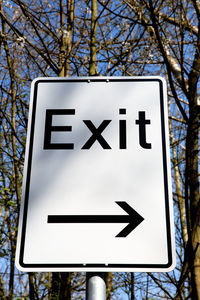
(81, 38)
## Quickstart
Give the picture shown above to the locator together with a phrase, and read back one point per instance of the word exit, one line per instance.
(96, 132)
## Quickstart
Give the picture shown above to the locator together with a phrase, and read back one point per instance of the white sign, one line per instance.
(97, 186)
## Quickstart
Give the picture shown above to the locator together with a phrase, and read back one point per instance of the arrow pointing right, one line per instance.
(133, 219)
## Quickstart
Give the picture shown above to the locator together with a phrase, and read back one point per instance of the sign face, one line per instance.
(97, 186)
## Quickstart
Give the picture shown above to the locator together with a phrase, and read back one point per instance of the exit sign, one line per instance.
(97, 184)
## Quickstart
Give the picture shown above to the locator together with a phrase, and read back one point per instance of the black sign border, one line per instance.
(105, 267)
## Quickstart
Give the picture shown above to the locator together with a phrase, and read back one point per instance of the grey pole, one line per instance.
(95, 286)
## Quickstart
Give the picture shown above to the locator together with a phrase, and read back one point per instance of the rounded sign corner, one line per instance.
(171, 266)
(37, 80)
(161, 80)
(20, 265)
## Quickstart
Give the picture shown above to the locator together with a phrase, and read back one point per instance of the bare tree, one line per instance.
(97, 37)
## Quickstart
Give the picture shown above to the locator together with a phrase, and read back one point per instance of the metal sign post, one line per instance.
(95, 286)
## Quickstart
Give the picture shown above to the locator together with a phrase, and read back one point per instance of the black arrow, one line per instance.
(133, 219)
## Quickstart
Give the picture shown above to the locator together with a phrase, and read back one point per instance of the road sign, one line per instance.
(97, 186)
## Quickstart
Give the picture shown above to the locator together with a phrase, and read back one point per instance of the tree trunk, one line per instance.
(55, 282)
(31, 286)
(66, 38)
(192, 198)
(192, 175)
(93, 49)
(132, 286)
(65, 286)
(108, 280)
(70, 24)
(2, 291)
